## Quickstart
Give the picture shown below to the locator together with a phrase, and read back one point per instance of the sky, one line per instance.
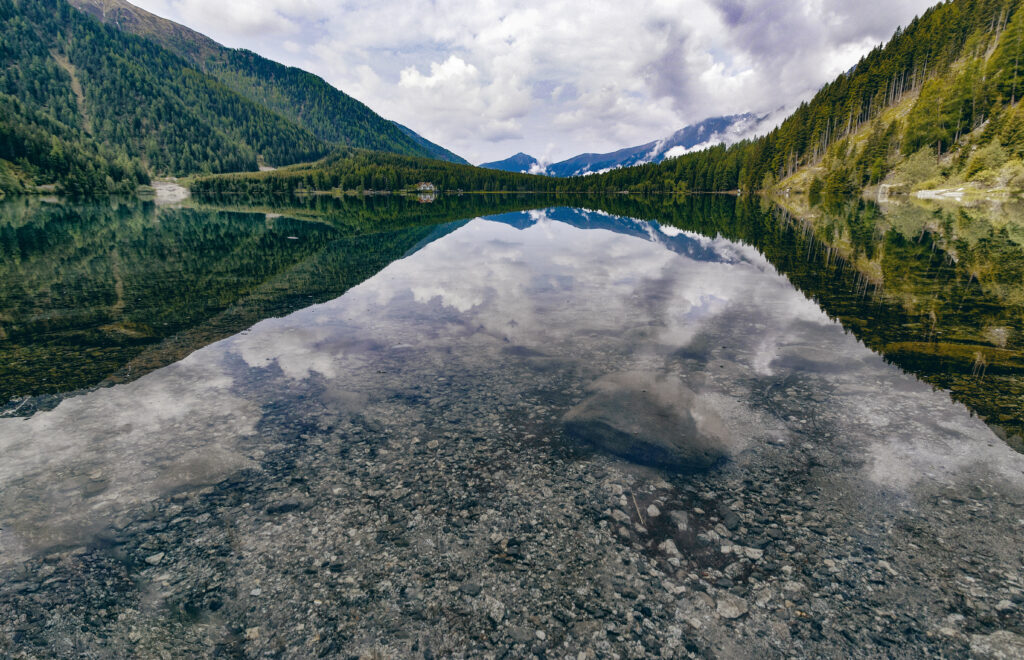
(555, 78)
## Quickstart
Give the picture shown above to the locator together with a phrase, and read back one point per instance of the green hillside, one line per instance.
(94, 109)
(940, 99)
(305, 99)
(89, 108)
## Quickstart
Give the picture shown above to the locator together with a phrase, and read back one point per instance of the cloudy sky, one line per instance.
(554, 78)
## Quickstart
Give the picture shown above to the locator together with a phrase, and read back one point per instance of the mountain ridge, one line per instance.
(302, 97)
(88, 107)
(705, 133)
(129, 18)
(92, 109)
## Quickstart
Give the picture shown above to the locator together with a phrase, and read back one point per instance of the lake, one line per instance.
(510, 425)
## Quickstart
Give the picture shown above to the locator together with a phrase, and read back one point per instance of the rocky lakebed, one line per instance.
(552, 436)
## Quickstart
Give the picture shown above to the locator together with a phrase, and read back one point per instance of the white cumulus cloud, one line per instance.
(555, 78)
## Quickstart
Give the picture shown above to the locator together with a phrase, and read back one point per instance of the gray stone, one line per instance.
(285, 506)
(1002, 645)
(495, 610)
(730, 607)
(792, 588)
(731, 520)
(153, 560)
(668, 546)
(620, 516)
(521, 635)
(734, 570)
(681, 519)
(470, 589)
(887, 567)
(648, 418)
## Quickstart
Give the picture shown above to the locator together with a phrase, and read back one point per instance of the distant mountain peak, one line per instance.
(704, 134)
(518, 163)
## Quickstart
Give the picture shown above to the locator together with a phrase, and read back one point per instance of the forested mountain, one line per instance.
(91, 108)
(96, 109)
(939, 103)
(305, 99)
(949, 82)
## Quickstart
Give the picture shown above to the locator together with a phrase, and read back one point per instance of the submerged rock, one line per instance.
(730, 607)
(471, 589)
(650, 419)
(681, 519)
(1001, 645)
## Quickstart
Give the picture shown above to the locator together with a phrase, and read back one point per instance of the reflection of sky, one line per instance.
(614, 297)
(70, 468)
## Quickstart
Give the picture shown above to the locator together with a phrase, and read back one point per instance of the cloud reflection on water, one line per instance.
(584, 304)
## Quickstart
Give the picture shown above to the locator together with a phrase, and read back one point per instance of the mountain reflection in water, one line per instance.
(628, 331)
(105, 292)
(101, 293)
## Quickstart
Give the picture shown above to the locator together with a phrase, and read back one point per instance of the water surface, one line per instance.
(652, 343)
(104, 292)
(628, 435)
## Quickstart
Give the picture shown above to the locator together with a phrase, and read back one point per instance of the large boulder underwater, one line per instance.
(650, 418)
